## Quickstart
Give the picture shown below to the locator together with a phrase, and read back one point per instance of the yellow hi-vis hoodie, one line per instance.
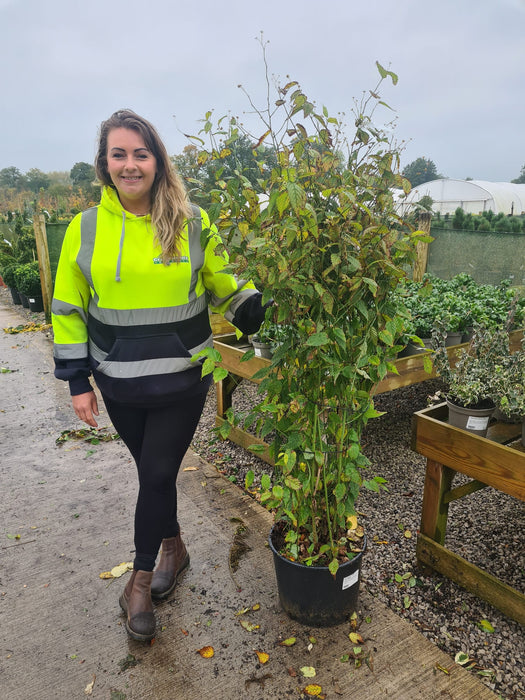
(120, 313)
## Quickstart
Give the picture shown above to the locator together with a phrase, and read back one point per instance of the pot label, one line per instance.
(351, 580)
(474, 423)
(257, 352)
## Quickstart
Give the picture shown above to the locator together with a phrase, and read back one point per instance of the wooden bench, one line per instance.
(498, 461)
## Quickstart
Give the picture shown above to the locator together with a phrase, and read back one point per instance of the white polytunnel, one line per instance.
(473, 196)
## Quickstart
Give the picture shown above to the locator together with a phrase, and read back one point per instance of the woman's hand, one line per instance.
(86, 407)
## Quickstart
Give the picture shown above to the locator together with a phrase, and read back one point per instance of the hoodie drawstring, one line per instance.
(121, 245)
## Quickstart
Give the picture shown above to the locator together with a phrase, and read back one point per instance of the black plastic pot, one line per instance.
(310, 594)
(25, 300)
(15, 296)
(36, 303)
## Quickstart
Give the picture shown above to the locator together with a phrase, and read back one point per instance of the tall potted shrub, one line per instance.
(29, 286)
(319, 234)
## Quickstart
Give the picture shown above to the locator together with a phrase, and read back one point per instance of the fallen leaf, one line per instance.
(442, 668)
(263, 656)
(485, 625)
(312, 640)
(288, 642)
(89, 687)
(184, 632)
(206, 652)
(351, 522)
(243, 611)
(117, 571)
(292, 672)
(249, 626)
(308, 671)
(256, 607)
(408, 534)
(313, 690)
(355, 638)
(461, 658)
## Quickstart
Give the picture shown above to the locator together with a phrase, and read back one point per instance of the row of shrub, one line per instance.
(486, 221)
(460, 303)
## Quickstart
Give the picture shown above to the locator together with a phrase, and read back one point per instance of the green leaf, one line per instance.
(249, 478)
(219, 373)
(318, 339)
(333, 566)
(293, 483)
(485, 625)
(266, 482)
(461, 658)
(340, 491)
(297, 196)
(278, 492)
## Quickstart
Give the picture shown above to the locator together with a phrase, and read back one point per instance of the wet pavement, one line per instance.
(67, 513)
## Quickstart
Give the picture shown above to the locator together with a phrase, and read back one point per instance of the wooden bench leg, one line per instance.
(225, 389)
(434, 513)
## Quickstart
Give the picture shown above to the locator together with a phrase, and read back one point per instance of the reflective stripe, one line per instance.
(71, 351)
(196, 251)
(62, 308)
(145, 368)
(143, 317)
(238, 299)
(88, 230)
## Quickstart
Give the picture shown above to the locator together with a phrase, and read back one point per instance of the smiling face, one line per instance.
(132, 168)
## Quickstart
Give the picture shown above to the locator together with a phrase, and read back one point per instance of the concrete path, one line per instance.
(66, 517)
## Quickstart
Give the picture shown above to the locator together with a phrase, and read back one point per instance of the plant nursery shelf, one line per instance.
(497, 460)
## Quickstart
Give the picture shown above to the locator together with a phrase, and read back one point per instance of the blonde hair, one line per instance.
(170, 207)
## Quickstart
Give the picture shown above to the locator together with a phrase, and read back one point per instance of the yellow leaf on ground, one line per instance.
(308, 671)
(206, 652)
(263, 656)
(117, 571)
(242, 612)
(256, 607)
(355, 638)
(313, 690)
(249, 626)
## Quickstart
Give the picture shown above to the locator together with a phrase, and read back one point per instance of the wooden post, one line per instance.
(39, 227)
(420, 265)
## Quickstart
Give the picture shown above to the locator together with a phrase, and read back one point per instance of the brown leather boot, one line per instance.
(136, 602)
(173, 559)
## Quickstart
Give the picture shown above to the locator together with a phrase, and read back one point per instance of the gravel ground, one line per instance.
(445, 613)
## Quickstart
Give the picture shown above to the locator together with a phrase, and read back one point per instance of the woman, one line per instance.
(134, 282)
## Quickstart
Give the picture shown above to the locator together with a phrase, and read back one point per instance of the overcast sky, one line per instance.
(68, 64)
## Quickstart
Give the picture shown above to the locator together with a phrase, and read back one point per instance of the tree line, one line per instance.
(63, 194)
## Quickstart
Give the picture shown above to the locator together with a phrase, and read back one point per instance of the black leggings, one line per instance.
(157, 438)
